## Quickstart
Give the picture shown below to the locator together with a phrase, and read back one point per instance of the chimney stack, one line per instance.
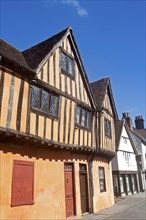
(126, 116)
(139, 122)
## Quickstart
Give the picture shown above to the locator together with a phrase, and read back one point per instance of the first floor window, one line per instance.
(102, 179)
(22, 183)
(44, 101)
(83, 117)
(107, 128)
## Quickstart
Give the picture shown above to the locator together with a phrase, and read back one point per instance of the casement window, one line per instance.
(107, 128)
(22, 183)
(83, 117)
(44, 101)
(66, 64)
(102, 179)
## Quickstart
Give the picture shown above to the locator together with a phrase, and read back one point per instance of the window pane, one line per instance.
(84, 118)
(45, 101)
(78, 113)
(70, 66)
(107, 128)
(35, 97)
(89, 120)
(54, 105)
(63, 62)
(101, 173)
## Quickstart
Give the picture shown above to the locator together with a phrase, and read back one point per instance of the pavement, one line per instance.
(121, 207)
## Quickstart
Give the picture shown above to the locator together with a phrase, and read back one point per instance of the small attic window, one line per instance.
(67, 64)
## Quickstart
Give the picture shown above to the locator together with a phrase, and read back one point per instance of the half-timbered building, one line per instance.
(51, 132)
(124, 164)
(106, 116)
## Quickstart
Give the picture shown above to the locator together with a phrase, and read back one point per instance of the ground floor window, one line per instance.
(22, 183)
(134, 185)
(122, 184)
(128, 183)
(102, 179)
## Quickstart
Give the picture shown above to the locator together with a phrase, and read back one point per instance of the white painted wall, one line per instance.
(125, 160)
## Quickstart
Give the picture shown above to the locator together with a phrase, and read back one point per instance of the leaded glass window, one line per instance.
(63, 63)
(67, 64)
(54, 105)
(70, 65)
(107, 127)
(78, 113)
(35, 97)
(44, 101)
(89, 119)
(83, 117)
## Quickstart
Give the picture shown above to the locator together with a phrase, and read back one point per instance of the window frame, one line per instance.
(102, 180)
(13, 201)
(67, 55)
(80, 118)
(109, 133)
(39, 110)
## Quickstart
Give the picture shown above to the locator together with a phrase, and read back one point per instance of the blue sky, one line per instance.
(110, 36)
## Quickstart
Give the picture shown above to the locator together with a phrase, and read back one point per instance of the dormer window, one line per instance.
(107, 128)
(44, 101)
(67, 64)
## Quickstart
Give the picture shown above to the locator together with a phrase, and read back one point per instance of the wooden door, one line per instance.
(83, 189)
(69, 189)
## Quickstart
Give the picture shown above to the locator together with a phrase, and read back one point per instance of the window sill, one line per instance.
(82, 127)
(107, 136)
(69, 75)
(21, 204)
(44, 114)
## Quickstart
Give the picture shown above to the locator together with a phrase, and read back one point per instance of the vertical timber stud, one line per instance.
(10, 102)
(52, 129)
(54, 68)
(80, 97)
(64, 129)
(59, 115)
(1, 89)
(19, 107)
(44, 132)
(48, 71)
(37, 124)
(28, 110)
(60, 69)
(69, 121)
(42, 73)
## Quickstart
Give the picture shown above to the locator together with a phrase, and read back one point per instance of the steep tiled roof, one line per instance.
(118, 130)
(12, 56)
(99, 90)
(37, 53)
(142, 132)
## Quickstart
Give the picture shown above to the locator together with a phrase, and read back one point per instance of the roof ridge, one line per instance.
(100, 79)
(64, 30)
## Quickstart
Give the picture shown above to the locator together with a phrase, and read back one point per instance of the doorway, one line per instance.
(69, 189)
(84, 188)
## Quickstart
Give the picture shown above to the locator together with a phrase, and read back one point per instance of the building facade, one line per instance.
(49, 134)
(124, 164)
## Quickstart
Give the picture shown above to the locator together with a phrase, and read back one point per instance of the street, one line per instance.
(126, 208)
